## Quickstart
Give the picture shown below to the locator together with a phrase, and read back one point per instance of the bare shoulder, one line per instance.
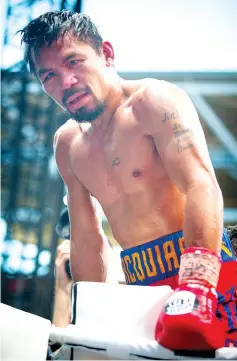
(66, 134)
(63, 141)
(151, 90)
(158, 100)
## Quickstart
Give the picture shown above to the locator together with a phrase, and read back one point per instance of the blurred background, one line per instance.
(189, 43)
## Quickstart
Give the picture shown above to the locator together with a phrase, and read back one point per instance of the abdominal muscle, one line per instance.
(150, 214)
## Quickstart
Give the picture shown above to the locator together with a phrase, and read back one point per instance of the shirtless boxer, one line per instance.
(138, 147)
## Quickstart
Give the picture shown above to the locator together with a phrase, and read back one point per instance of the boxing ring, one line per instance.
(109, 321)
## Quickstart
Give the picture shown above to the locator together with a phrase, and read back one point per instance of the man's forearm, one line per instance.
(203, 220)
(62, 307)
(89, 258)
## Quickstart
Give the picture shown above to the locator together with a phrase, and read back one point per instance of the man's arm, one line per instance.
(167, 114)
(62, 296)
(89, 249)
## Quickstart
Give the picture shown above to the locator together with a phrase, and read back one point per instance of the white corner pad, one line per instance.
(24, 336)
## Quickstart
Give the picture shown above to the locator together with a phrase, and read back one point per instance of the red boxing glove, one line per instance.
(188, 320)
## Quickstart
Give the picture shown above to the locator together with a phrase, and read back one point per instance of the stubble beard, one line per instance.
(83, 115)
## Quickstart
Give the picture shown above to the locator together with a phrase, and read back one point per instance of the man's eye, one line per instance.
(48, 76)
(73, 62)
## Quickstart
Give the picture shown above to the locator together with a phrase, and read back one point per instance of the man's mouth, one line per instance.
(76, 100)
(75, 97)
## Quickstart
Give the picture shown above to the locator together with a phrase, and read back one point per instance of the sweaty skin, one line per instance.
(145, 159)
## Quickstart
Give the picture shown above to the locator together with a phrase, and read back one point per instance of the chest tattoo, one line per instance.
(115, 162)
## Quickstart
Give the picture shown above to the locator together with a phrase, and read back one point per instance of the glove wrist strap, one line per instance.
(199, 265)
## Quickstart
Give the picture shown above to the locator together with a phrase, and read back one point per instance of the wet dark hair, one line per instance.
(232, 232)
(44, 30)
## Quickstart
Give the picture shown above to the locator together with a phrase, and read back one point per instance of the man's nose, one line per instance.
(67, 80)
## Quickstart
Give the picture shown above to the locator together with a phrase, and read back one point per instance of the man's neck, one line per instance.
(114, 99)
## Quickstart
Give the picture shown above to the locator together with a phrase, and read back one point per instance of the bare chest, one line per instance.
(120, 162)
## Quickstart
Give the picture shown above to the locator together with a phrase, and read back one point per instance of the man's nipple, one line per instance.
(136, 173)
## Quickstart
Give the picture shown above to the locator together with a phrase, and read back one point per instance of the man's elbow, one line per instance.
(207, 187)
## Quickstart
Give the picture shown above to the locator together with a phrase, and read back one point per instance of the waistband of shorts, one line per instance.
(159, 259)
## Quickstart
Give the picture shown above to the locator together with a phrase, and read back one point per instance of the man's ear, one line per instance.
(108, 52)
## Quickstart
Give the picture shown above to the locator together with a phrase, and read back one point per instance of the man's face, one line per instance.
(74, 75)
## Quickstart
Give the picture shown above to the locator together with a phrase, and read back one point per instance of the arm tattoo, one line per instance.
(115, 162)
(179, 130)
(181, 133)
(170, 116)
(182, 136)
(182, 147)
